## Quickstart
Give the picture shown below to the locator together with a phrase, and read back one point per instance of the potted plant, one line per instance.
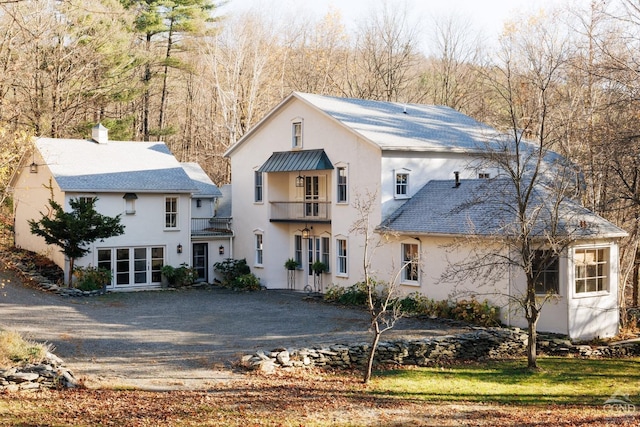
(319, 267)
(291, 264)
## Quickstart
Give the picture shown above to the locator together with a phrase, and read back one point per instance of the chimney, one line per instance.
(457, 177)
(100, 134)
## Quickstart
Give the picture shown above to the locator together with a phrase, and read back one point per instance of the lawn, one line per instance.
(565, 381)
(568, 392)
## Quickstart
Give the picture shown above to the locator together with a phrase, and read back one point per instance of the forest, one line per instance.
(182, 72)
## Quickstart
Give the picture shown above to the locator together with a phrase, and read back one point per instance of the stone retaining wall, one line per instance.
(481, 344)
(48, 374)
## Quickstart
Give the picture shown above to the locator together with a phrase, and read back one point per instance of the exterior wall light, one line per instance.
(179, 248)
(221, 250)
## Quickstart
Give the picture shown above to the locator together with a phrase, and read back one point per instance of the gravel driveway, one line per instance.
(180, 339)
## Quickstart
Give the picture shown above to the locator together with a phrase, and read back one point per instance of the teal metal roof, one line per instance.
(292, 161)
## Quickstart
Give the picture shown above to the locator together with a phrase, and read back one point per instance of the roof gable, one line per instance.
(83, 165)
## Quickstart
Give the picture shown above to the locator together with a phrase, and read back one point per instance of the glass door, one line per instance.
(200, 261)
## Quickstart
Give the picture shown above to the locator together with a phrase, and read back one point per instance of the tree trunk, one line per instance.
(372, 353)
(71, 265)
(532, 344)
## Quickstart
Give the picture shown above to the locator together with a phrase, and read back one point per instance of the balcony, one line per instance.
(319, 212)
(210, 227)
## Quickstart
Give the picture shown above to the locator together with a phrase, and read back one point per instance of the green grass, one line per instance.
(564, 381)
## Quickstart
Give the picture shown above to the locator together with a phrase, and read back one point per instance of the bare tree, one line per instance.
(382, 306)
(528, 208)
(384, 56)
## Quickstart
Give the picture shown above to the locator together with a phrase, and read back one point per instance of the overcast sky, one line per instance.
(487, 16)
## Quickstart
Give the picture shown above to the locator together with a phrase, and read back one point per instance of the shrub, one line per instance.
(91, 278)
(237, 275)
(179, 276)
(246, 282)
(470, 311)
(353, 295)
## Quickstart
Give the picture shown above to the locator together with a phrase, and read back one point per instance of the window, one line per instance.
(341, 173)
(325, 252)
(402, 185)
(296, 135)
(341, 250)
(86, 199)
(546, 272)
(171, 212)
(591, 270)
(259, 249)
(484, 175)
(410, 262)
(258, 187)
(298, 249)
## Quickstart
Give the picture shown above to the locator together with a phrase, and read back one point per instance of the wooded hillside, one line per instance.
(180, 72)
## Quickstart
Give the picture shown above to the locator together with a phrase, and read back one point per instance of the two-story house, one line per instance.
(297, 174)
(168, 208)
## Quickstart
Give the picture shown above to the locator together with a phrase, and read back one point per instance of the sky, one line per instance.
(487, 16)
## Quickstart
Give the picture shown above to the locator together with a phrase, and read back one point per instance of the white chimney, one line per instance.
(100, 134)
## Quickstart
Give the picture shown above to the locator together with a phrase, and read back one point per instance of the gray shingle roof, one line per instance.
(397, 126)
(84, 165)
(201, 180)
(484, 207)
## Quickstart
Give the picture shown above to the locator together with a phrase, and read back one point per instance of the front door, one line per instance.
(200, 263)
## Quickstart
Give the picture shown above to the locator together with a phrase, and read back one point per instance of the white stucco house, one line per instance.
(298, 172)
(169, 209)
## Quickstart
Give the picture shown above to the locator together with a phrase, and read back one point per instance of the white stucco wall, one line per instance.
(142, 229)
(30, 201)
(343, 148)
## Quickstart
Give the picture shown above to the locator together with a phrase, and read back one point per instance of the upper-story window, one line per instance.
(484, 175)
(171, 212)
(341, 174)
(401, 189)
(296, 134)
(257, 187)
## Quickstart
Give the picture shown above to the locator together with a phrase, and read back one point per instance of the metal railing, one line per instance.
(301, 211)
(210, 227)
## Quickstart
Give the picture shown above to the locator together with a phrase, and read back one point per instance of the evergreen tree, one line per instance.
(71, 231)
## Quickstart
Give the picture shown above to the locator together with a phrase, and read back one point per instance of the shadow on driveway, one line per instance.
(181, 338)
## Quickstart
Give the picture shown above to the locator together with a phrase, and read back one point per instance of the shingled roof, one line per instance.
(397, 126)
(83, 165)
(484, 208)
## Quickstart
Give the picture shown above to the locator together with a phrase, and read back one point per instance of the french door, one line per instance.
(133, 266)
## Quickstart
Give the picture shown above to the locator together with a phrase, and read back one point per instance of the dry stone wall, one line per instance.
(480, 344)
(49, 374)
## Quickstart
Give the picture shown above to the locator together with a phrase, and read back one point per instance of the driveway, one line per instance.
(177, 339)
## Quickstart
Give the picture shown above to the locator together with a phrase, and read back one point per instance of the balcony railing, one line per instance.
(301, 211)
(211, 227)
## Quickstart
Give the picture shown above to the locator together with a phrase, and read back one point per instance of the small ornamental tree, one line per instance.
(71, 231)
